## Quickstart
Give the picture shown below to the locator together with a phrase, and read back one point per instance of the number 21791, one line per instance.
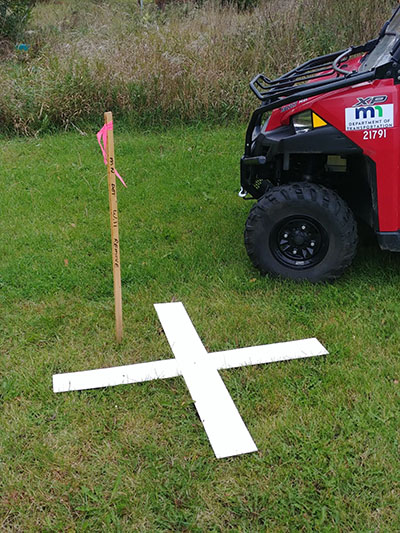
(374, 134)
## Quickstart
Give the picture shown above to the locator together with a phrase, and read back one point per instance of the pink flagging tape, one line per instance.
(102, 140)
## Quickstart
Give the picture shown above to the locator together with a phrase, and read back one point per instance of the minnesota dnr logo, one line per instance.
(368, 117)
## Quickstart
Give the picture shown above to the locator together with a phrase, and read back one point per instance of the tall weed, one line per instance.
(187, 63)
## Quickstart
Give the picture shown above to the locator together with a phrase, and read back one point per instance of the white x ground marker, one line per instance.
(224, 426)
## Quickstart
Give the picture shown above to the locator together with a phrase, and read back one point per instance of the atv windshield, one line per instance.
(380, 55)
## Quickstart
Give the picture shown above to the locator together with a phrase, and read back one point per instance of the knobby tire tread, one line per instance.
(318, 194)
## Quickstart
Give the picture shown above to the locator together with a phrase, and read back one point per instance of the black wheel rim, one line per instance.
(299, 242)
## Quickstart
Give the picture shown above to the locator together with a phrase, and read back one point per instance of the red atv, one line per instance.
(322, 149)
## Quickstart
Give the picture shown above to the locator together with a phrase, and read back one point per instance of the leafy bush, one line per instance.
(14, 15)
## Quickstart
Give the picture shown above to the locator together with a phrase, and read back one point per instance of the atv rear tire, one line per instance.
(301, 231)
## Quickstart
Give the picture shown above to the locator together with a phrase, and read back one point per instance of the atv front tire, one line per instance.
(301, 231)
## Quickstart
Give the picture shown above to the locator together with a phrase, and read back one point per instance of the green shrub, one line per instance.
(14, 15)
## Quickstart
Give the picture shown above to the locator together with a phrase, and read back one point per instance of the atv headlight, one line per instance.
(303, 122)
(307, 121)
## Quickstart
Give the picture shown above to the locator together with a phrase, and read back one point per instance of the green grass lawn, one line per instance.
(136, 458)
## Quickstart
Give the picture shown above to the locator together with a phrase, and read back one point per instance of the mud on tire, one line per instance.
(301, 231)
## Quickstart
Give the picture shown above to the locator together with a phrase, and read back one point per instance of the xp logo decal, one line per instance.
(371, 100)
(369, 113)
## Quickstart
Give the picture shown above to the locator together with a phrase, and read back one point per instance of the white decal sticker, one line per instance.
(369, 117)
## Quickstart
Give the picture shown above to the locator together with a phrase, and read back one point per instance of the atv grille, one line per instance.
(258, 184)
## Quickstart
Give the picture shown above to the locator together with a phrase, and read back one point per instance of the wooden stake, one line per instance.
(112, 196)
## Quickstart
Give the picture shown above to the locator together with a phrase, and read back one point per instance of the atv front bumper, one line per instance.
(277, 145)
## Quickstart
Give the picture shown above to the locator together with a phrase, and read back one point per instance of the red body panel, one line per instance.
(380, 143)
(382, 150)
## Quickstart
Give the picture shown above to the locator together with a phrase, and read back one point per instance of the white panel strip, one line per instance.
(222, 422)
(169, 368)
(268, 353)
(117, 375)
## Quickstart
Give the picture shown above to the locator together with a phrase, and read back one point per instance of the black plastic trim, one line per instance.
(373, 186)
(389, 240)
(284, 141)
(323, 140)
